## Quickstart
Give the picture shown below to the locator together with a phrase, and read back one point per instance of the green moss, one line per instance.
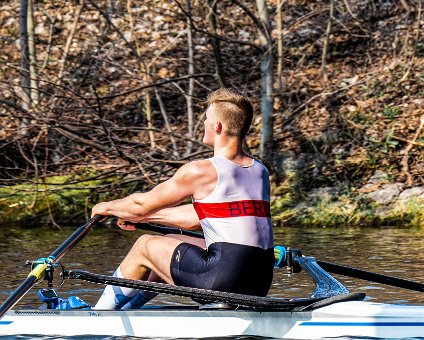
(347, 210)
(406, 212)
(59, 198)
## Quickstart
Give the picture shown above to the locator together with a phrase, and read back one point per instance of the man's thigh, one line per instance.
(160, 250)
(157, 253)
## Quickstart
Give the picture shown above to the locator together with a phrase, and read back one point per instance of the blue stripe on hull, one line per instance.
(372, 324)
(5, 322)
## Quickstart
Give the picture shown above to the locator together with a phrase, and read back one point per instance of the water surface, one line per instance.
(391, 251)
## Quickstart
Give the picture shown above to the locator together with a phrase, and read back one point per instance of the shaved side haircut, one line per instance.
(234, 109)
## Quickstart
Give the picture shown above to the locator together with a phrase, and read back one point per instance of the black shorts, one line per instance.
(224, 267)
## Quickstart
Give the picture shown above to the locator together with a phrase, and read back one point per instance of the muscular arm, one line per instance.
(195, 179)
(183, 216)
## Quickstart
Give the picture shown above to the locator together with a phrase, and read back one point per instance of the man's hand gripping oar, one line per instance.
(38, 271)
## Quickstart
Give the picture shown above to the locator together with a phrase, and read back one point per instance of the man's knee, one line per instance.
(140, 246)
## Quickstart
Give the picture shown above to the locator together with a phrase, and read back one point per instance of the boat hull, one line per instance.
(352, 319)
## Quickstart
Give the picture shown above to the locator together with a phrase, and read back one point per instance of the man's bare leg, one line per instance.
(149, 259)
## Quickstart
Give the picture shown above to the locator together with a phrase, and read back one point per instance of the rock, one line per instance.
(379, 177)
(368, 188)
(383, 212)
(386, 194)
(324, 193)
(375, 182)
(412, 192)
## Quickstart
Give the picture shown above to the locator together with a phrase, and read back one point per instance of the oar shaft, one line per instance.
(38, 272)
(72, 240)
(374, 277)
(14, 298)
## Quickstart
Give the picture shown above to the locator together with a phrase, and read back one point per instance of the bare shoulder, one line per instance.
(200, 177)
(196, 169)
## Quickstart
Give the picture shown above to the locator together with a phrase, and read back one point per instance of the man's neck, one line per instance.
(232, 150)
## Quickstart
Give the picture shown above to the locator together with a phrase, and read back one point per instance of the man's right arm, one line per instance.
(183, 216)
(196, 179)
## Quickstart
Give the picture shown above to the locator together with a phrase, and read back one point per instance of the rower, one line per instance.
(231, 203)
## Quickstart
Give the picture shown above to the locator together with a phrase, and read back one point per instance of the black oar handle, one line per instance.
(167, 230)
(369, 276)
(37, 274)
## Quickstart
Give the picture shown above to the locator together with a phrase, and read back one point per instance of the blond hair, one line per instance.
(234, 109)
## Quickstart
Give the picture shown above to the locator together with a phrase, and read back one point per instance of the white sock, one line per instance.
(115, 297)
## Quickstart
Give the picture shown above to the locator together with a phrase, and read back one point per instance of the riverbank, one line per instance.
(62, 200)
(380, 202)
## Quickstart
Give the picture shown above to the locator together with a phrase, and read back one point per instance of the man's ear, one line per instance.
(218, 127)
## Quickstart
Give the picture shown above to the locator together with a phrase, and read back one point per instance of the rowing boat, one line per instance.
(350, 318)
(330, 311)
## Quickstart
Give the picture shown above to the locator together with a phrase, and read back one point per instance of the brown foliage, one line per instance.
(93, 115)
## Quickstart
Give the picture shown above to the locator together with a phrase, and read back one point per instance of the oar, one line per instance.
(38, 272)
(167, 230)
(330, 267)
(369, 276)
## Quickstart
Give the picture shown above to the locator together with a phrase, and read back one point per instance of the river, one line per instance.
(390, 251)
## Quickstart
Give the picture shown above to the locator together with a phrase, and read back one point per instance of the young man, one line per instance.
(230, 194)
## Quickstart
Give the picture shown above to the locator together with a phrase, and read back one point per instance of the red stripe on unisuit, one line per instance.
(257, 208)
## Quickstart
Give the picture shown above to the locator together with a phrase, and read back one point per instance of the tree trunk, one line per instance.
(280, 46)
(189, 94)
(167, 125)
(146, 77)
(25, 68)
(215, 43)
(34, 93)
(267, 85)
(327, 42)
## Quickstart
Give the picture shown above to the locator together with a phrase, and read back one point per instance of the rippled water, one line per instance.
(390, 251)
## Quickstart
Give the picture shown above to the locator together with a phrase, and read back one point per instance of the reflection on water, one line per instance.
(388, 251)
(391, 251)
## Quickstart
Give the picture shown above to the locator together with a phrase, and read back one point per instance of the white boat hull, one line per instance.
(354, 319)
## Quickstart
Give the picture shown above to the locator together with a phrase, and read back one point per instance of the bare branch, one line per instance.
(160, 83)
